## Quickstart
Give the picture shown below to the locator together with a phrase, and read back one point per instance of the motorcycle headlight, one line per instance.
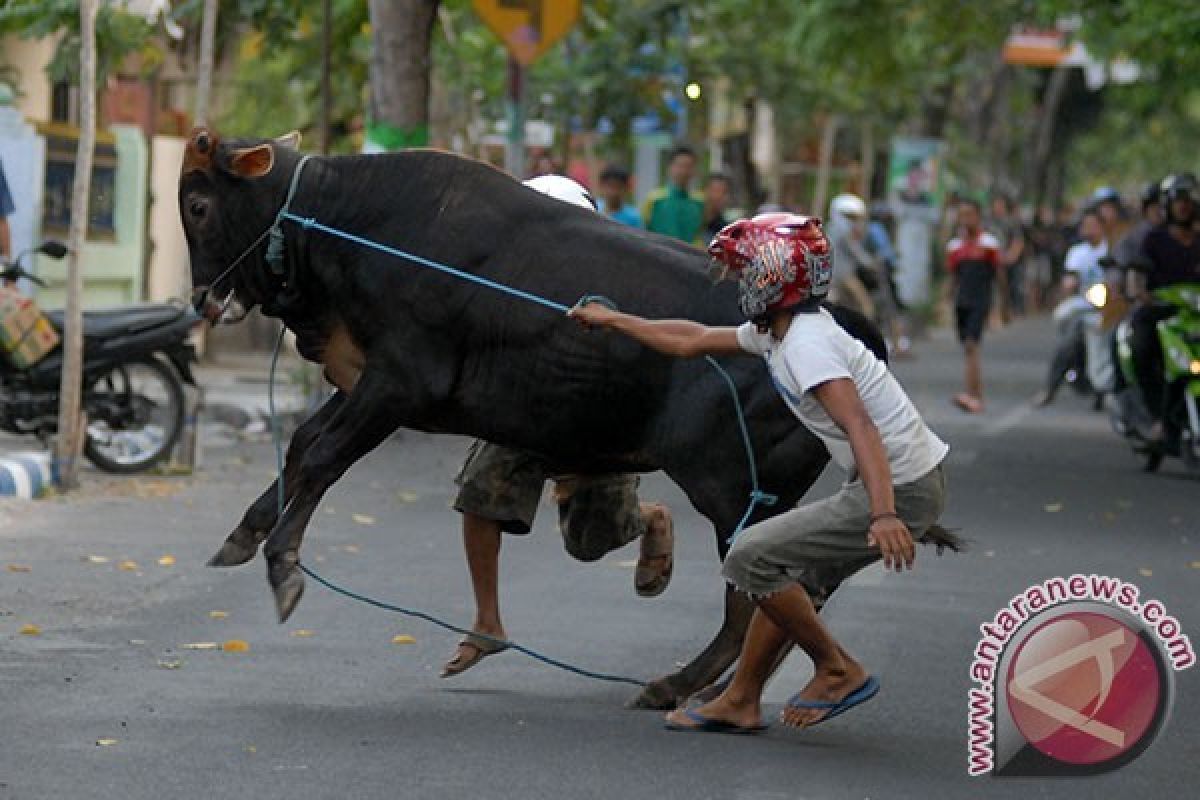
(1097, 295)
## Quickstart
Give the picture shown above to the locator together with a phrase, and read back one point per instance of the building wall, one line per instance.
(29, 57)
(169, 274)
(112, 270)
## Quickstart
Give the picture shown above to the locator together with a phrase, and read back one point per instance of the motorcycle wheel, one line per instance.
(135, 415)
(1153, 461)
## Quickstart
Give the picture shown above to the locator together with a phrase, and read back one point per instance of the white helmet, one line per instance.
(847, 205)
(564, 189)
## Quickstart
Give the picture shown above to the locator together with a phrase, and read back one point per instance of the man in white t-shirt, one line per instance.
(845, 396)
(1082, 263)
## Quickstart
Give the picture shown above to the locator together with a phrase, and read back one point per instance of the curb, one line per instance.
(24, 475)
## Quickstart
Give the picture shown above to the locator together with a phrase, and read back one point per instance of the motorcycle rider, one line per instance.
(1170, 255)
(1128, 250)
(1079, 322)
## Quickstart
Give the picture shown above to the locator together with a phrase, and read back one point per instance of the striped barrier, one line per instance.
(24, 475)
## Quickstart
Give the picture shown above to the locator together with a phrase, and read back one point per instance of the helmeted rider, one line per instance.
(858, 281)
(1170, 255)
(847, 397)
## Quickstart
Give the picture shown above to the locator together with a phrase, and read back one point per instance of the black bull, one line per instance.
(411, 347)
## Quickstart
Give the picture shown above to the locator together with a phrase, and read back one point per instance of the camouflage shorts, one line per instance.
(596, 513)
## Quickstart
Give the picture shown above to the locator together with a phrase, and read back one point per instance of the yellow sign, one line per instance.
(528, 27)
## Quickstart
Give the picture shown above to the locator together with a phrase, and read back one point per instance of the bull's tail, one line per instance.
(943, 539)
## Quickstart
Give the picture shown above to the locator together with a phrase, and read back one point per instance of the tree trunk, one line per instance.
(401, 31)
(825, 163)
(326, 90)
(1034, 183)
(70, 425)
(204, 71)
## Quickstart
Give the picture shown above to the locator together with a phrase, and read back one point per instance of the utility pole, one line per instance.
(204, 78)
(514, 150)
(71, 423)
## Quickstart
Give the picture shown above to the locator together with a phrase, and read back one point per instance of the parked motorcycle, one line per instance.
(135, 362)
(1179, 336)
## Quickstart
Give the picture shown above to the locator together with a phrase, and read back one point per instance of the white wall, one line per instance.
(170, 275)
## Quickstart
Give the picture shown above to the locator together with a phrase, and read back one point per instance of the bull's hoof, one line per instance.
(657, 695)
(288, 593)
(234, 551)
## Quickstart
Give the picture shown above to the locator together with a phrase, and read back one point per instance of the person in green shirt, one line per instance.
(671, 210)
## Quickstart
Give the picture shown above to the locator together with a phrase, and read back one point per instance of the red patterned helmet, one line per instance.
(781, 260)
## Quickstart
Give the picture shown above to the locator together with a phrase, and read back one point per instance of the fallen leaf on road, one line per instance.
(351, 548)
(989, 553)
(137, 642)
(19, 568)
(320, 559)
(630, 564)
(201, 646)
(97, 559)
(403, 638)
(407, 497)
(218, 614)
(236, 646)
(1053, 508)
(128, 566)
(250, 748)
(1196, 565)
(302, 633)
(166, 561)
(105, 742)
(170, 663)
(31, 630)
(1145, 572)
(363, 519)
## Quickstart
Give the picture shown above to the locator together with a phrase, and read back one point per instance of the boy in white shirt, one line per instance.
(847, 397)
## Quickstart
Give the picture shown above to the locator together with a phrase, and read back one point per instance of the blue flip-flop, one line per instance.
(869, 688)
(708, 725)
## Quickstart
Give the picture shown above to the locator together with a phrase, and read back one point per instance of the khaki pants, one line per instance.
(825, 540)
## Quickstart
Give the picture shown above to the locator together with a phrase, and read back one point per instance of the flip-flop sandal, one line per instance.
(967, 403)
(650, 580)
(868, 689)
(708, 725)
(482, 649)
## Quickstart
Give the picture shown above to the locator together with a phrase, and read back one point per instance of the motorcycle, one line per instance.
(1082, 358)
(135, 363)
(1179, 336)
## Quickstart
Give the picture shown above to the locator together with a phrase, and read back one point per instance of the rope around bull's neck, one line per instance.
(757, 496)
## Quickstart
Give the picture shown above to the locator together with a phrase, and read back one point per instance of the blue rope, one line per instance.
(277, 436)
(309, 222)
(757, 496)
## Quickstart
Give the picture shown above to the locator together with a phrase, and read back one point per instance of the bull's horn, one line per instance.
(289, 140)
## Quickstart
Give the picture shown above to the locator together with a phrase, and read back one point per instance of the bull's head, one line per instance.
(229, 194)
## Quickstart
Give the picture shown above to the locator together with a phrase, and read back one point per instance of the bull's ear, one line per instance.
(289, 140)
(252, 162)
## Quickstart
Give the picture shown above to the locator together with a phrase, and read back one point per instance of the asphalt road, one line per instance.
(344, 712)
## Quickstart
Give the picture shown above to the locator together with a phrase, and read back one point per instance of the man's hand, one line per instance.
(895, 543)
(594, 315)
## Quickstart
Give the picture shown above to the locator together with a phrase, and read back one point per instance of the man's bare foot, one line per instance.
(747, 716)
(474, 648)
(828, 687)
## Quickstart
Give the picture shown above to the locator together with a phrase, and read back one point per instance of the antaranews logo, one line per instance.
(1073, 677)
